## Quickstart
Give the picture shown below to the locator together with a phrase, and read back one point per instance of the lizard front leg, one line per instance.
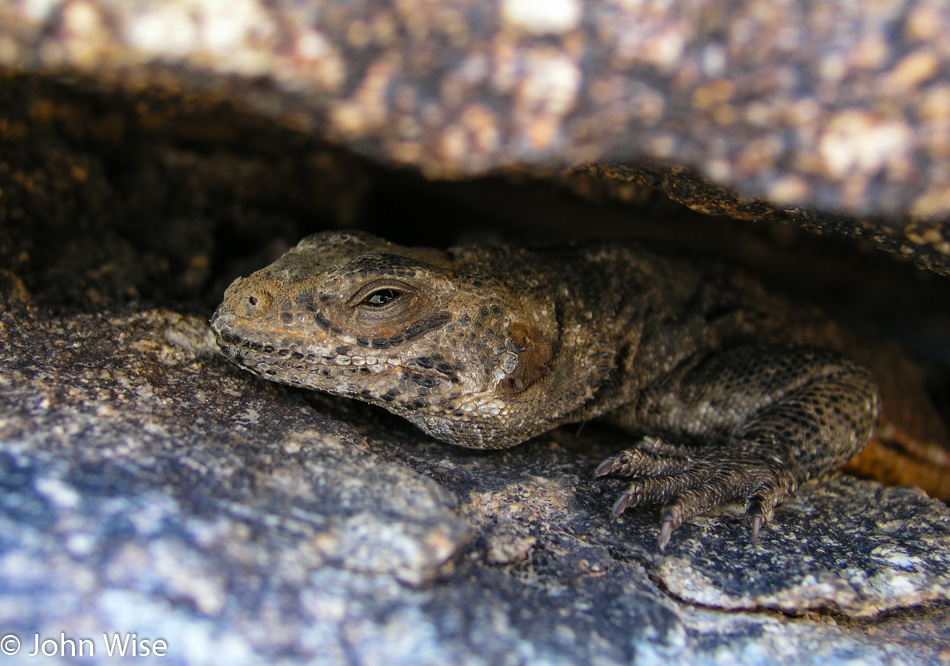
(749, 423)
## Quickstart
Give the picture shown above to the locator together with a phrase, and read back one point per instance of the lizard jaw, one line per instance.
(416, 393)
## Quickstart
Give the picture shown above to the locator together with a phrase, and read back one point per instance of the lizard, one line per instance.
(722, 384)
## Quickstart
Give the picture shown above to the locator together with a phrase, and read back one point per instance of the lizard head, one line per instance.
(409, 329)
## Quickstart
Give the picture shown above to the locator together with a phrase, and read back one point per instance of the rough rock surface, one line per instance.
(925, 241)
(838, 105)
(150, 487)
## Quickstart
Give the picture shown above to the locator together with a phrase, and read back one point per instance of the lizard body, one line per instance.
(486, 347)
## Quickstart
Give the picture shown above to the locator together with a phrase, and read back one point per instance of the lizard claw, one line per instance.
(609, 466)
(689, 487)
(620, 505)
(651, 457)
(755, 516)
(759, 508)
(668, 523)
(755, 522)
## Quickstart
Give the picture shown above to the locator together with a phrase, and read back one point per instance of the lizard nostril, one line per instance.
(256, 301)
(249, 297)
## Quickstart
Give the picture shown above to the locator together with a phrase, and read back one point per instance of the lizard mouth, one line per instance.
(267, 359)
(341, 371)
(411, 385)
(279, 350)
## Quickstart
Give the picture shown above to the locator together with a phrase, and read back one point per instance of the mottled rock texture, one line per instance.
(921, 239)
(835, 106)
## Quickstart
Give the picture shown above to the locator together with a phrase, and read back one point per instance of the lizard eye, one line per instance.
(386, 301)
(381, 297)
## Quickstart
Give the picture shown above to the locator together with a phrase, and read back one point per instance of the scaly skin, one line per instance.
(486, 347)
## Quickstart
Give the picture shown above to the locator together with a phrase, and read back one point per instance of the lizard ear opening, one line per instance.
(534, 361)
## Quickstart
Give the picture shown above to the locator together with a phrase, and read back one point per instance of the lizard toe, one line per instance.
(758, 514)
(650, 458)
(658, 489)
(688, 486)
(760, 488)
(760, 505)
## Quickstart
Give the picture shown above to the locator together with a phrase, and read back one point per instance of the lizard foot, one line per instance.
(755, 422)
(690, 481)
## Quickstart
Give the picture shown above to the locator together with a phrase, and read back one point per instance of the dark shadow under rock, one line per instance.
(151, 487)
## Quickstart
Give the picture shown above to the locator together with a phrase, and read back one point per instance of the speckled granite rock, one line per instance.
(151, 487)
(926, 241)
(141, 477)
(831, 567)
(838, 105)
